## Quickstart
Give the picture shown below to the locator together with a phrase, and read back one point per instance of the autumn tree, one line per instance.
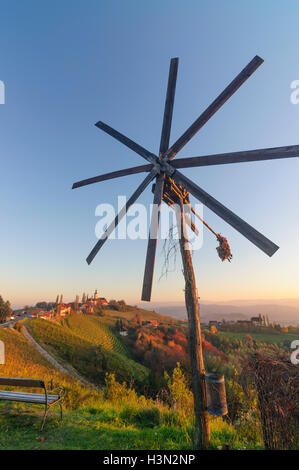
(43, 305)
(5, 310)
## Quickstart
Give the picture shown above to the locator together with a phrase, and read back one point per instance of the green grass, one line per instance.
(106, 427)
(89, 360)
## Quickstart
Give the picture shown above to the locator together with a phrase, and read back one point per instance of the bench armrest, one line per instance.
(59, 389)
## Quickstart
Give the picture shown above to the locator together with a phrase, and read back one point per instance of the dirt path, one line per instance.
(65, 368)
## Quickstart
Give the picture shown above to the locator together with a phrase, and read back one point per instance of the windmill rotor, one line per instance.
(170, 183)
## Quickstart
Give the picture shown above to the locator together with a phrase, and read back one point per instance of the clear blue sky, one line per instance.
(67, 64)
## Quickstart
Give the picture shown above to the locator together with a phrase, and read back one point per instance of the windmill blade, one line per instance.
(128, 142)
(238, 157)
(168, 110)
(232, 219)
(152, 241)
(113, 174)
(120, 215)
(215, 106)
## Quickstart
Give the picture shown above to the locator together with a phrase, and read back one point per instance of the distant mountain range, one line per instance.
(284, 311)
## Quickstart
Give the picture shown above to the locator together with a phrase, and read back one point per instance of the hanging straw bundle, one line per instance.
(223, 249)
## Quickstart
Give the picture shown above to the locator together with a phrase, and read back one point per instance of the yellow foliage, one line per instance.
(181, 395)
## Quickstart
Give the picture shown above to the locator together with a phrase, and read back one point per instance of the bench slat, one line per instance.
(19, 382)
(27, 397)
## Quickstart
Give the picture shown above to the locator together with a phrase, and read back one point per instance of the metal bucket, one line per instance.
(216, 394)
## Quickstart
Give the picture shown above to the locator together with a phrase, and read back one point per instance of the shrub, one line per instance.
(249, 428)
(180, 395)
(118, 392)
(148, 418)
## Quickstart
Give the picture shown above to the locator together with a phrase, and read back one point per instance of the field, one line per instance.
(89, 347)
(146, 315)
(93, 330)
(279, 338)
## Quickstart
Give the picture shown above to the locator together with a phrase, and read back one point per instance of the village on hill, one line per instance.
(88, 304)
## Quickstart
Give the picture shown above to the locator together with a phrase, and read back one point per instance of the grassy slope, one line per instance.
(96, 423)
(145, 314)
(22, 360)
(73, 347)
(106, 427)
(93, 330)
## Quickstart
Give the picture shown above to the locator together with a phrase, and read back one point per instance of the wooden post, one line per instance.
(202, 424)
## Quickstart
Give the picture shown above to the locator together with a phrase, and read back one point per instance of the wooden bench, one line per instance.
(47, 398)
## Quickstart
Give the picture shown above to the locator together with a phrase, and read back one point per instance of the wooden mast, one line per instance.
(202, 423)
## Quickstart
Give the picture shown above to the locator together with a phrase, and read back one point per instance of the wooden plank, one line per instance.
(20, 382)
(152, 241)
(21, 396)
(169, 102)
(113, 174)
(215, 106)
(38, 401)
(232, 219)
(27, 397)
(128, 142)
(121, 214)
(9, 393)
(290, 151)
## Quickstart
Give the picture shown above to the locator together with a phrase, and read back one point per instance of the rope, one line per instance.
(223, 249)
(200, 218)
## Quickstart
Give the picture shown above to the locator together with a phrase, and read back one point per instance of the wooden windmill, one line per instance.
(172, 186)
